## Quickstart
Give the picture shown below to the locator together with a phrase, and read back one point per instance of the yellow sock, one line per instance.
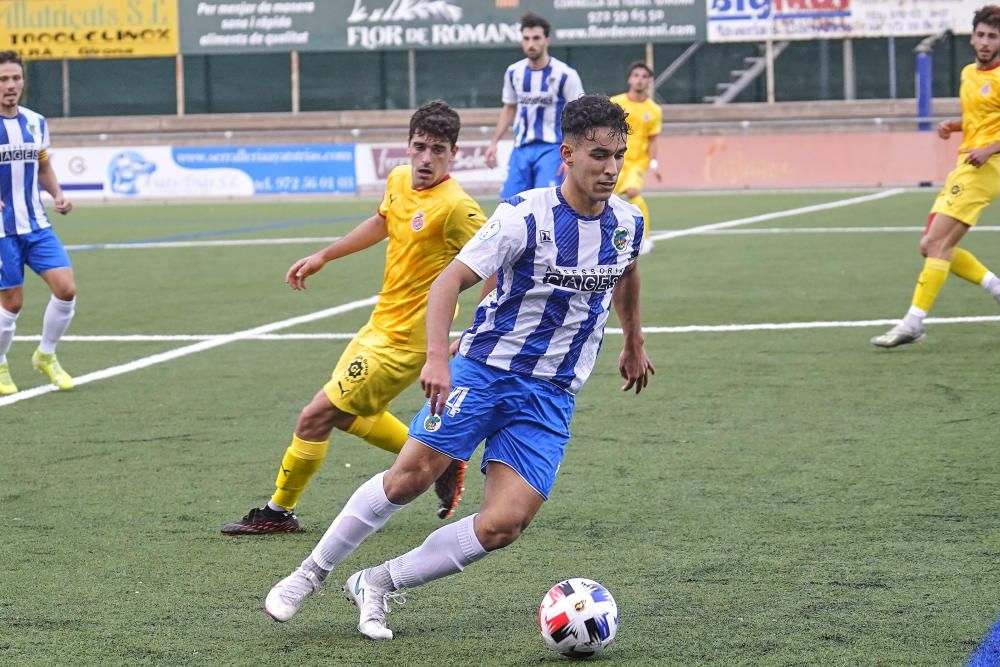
(965, 265)
(302, 459)
(930, 282)
(383, 430)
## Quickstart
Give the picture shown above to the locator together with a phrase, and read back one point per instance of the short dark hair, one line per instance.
(436, 119)
(10, 57)
(638, 64)
(582, 117)
(533, 20)
(988, 14)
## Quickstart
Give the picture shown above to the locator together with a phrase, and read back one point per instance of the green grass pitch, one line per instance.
(776, 497)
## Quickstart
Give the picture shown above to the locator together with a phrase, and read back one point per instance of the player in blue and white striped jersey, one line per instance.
(535, 91)
(564, 257)
(26, 237)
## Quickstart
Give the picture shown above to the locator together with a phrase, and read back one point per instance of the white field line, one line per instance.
(831, 230)
(683, 329)
(702, 229)
(141, 245)
(216, 341)
(208, 344)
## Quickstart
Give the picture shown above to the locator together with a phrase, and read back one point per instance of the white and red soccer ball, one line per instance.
(578, 618)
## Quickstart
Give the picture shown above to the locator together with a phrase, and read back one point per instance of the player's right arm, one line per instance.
(365, 235)
(507, 113)
(946, 127)
(435, 377)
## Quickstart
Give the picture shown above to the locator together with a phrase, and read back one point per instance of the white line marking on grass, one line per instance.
(830, 230)
(143, 245)
(248, 334)
(682, 329)
(702, 229)
(216, 341)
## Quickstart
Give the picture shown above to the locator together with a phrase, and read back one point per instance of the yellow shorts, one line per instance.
(371, 373)
(968, 191)
(631, 176)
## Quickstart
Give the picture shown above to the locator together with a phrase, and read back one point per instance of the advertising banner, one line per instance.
(226, 26)
(205, 171)
(759, 20)
(71, 29)
(375, 161)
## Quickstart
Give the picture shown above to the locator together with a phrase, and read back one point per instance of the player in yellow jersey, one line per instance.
(427, 217)
(971, 186)
(644, 121)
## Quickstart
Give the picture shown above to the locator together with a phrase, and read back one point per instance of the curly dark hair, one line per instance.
(10, 57)
(988, 14)
(533, 20)
(582, 117)
(436, 119)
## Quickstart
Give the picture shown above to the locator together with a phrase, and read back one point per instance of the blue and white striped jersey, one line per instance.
(22, 139)
(555, 272)
(540, 95)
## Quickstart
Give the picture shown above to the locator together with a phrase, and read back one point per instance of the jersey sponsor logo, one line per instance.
(19, 153)
(490, 229)
(579, 281)
(547, 99)
(418, 221)
(432, 423)
(620, 238)
(985, 90)
(544, 236)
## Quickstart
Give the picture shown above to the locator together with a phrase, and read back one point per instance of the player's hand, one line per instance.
(435, 379)
(944, 129)
(453, 348)
(977, 157)
(635, 367)
(63, 205)
(491, 156)
(302, 269)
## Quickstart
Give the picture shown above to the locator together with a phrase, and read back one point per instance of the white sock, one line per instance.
(8, 322)
(914, 318)
(445, 551)
(365, 512)
(58, 315)
(991, 284)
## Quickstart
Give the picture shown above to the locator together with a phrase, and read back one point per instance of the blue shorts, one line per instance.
(524, 421)
(41, 250)
(531, 166)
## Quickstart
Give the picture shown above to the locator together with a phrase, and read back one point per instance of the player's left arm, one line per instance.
(633, 363)
(977, 157)
(654, 135)
(48, 181)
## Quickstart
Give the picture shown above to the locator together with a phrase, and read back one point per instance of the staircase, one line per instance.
(739, 79)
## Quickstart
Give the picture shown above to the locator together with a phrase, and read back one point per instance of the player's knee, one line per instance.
(65, 292)
(12, 303)
(402, 486)
(316, 421)
(934, 247)
(496, 532)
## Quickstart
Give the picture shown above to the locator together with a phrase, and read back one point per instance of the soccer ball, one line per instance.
(578, 618)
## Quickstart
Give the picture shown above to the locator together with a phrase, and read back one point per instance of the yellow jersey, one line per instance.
(980, 96)
(426, 229)
(644, 120)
